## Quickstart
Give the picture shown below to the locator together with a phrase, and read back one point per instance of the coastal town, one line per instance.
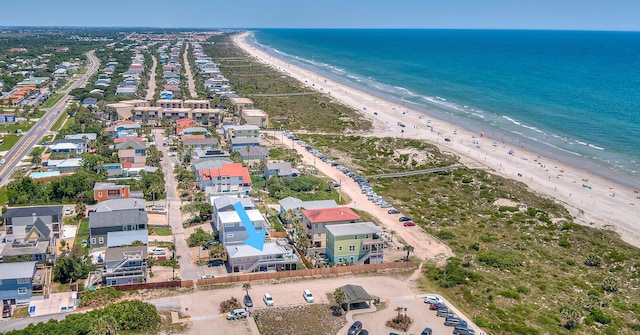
(230, 190)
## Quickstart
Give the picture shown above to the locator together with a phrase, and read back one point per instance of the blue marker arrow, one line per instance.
(256, 239)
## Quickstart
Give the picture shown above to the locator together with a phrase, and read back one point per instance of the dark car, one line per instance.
(215, 262)
(404, 218)
(363, 332)
(409, 223)
(6, 311)
(393, 211)
(463, 330)
(355, 328)
(209, 244)
(247, 301)
(426, 331)
(435, 307)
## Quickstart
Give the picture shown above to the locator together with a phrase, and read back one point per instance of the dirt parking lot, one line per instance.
(394, 290)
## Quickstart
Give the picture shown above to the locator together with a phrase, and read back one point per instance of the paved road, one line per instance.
(152, 79)
(187, 68)
(188, 268)
(417, 172)
(16, 324)
(32, 137)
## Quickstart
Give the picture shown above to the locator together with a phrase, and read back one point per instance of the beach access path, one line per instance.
(425, 246)
(602, 203)
(152, 79)
(187, 67)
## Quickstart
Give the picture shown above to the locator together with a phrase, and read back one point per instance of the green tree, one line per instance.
(199, 237)
(106, 325)
(246, 287)
(217, 251)
(36, 160)
(409, 249)
(80, 208)
(339, 296)
(69, 269)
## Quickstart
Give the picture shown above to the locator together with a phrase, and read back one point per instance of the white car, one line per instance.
(432, 299)
(2, 161)
(268, 300)
(67, 211)
(308, 297)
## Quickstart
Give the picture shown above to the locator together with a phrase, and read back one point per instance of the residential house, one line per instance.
(231, 228)
(113, 169)
(225, 204)
(90, 137)
(60, 74)
(102, 223)
(204, 143)
(273, 257)
(236, 131)
(108, 191)
(19, 220)
(209, 163)
(255, 117)
(126, 90)
(229, 179)
(295, 205)
(124, 126)
(182, 124)
(16, 282)
(354, 243)
(90, 102)
(280, 169)
(238, 143)
(37, 245)
(68, 165)
(195, 131)
(72, 147)
(253, 154)
(170, 103)
(125, 265)
(197, 104)
(241, 102)
(132, 154)
(315, 220)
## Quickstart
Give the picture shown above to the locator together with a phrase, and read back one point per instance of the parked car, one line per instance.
(426, 331)
(236, 314)
(444, 313)
(363, 332)
(355, 328)
(67, 211)
(268, 300)
(408, 223)
(404, 218)
(462, 330)
(432, 299)
(437, 306)
(393, 211)
(6, 311)
(452, 322)
(308, 297)
(209, 244)
(247, 301)
(207, 276)
(215, 262)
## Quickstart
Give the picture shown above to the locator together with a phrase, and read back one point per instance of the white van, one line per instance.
(159, 251)
(237, 314)
(308, 297)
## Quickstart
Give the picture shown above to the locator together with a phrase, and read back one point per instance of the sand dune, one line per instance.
(592, 200)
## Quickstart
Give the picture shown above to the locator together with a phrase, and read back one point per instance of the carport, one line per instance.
(355, 294)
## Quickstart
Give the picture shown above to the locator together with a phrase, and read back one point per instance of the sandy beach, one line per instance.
(593, 200)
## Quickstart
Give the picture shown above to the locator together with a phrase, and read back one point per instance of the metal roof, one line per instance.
(117, 218)
(17, 212)
(17, 270)
(355, 293)
(350, 229)
(243, 250)
(120, 238)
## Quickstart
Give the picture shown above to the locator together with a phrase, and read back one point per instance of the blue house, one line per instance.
(16, 279)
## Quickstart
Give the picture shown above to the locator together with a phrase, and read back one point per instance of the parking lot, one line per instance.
(395, 291)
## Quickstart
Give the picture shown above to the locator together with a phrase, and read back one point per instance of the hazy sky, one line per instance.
(483, 14)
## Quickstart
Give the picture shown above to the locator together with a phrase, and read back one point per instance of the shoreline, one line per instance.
(592, 199)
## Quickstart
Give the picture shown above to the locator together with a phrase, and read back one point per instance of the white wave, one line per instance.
(595, 147)
(581, 143)
(402, 89)
(511, 120)
(533, 128)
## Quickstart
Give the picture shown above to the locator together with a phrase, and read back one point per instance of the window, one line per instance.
(229, 235)
(101, 240)
(339, 259)
(39, 257)
(99, 194)
(366, 235)
(24, 280)
(339, 248)
(22, 290)
(355, 237)
(228, 224)
(93, 240)
(352, 248)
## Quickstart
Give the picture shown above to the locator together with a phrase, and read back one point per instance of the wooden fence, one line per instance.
(147, 286)
(318, 272)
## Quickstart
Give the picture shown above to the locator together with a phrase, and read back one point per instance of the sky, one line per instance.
(437, 14)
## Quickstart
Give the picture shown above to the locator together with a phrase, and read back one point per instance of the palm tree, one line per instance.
(408, 249)
(36, 160)
(339, 296)
(155, 189)
(80, 208)
(246, 287)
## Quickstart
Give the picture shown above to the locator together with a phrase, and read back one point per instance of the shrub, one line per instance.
(599, 316)
(508, 209)
(445, 235)
(99, 297)
(510, 294)
(504, 259)
(593, 261)
(522, 289)
(564, 242)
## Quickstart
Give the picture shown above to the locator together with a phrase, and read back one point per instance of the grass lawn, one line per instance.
(68, 123)
(40, 113)
(12, 127)
(37, 151)
(79, 238)
(52, 100)
(56, 126)
(160, 231)
(510, 260)
(4, 197)
(9, 141)
(84, 226)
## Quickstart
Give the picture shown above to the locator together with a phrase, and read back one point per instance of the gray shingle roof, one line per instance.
(17, 212)
(117, 218)
(355, 293)
(17, 270)
(350, 229)
(131, 145)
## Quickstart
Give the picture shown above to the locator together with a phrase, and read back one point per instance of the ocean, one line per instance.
(569, 95)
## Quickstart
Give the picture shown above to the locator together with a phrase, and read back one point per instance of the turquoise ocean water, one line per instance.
(570, 95)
